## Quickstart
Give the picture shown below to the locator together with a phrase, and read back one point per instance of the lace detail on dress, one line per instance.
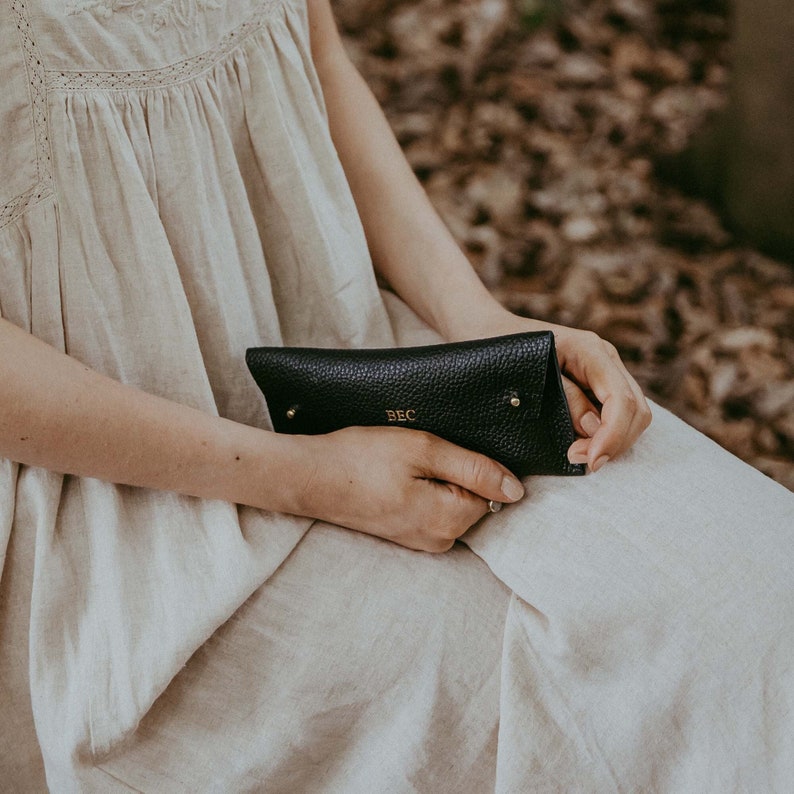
(16, 208)
(154, 14)
(167, 75)
(38, 101)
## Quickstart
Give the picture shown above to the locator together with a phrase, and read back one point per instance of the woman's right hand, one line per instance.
(403, 485)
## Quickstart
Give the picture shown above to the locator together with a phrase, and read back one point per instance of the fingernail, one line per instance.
(590, 424)
(600, 462)
(512, 489)
(577, 457)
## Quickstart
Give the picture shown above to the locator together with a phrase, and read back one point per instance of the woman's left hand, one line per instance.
(592, 364)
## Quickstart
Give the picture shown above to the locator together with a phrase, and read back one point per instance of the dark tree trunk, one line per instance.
(758, 139)
(744, 161)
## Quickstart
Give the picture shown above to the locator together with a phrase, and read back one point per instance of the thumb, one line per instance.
(475, 472)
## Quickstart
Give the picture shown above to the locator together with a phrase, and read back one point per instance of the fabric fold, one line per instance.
(654, 602)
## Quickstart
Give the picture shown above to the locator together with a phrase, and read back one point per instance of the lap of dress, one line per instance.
(359, 666)
(637, 636)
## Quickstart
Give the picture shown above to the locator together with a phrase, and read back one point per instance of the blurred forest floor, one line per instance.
(536, 127)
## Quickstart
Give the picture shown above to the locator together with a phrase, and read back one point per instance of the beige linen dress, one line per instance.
(169, 195)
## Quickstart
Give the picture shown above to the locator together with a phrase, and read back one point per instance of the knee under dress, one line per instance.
(169, 195)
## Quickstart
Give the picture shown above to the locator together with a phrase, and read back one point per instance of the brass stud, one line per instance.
(292, 411)
(515, 401)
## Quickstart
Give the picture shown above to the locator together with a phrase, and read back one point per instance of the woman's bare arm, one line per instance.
(412, 248)
(406, 486)
(60, 414)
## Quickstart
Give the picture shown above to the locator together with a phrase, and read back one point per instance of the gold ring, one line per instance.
(493, 506)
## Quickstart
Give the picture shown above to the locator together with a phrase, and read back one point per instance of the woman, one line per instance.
(186, 180)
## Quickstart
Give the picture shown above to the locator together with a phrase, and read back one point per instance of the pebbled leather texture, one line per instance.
(460, 391)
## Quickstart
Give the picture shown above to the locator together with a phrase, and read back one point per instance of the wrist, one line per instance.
(295, 483)
(250, 466)
(313, 475)
(483, 319)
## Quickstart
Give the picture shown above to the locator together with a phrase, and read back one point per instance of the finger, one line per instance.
(474, 472)
(596, 365)
(577, 452)
(629, 402)
(604, 373)
(643, 416)
(455, 510)
(614, 435)
(624, 417)
(585, 357)
(583, 413)
(467, 507)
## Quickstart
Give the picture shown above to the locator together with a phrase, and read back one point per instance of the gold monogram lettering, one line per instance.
(401, 415)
